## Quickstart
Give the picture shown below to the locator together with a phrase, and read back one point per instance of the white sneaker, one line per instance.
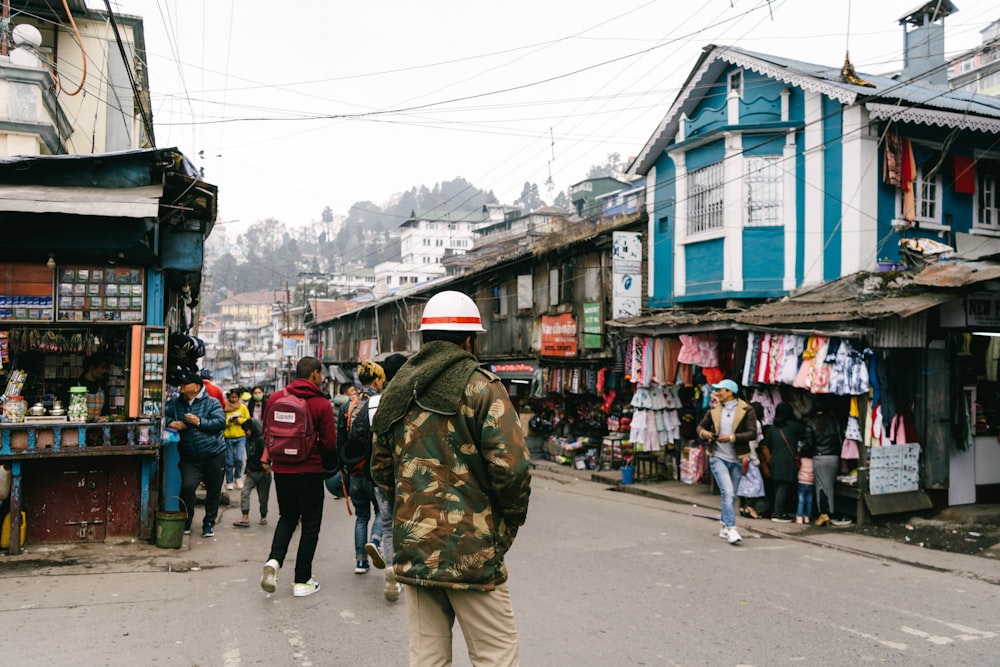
(269, 580)
(239, 483)
(724, 533)
(734, 536)
(392, 587)
(229, 487)
(308, 588)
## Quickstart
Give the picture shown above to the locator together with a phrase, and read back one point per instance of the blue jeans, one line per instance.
(234, 458)
(385, 511)
(362, 493)
(805, 507)
(727, 475)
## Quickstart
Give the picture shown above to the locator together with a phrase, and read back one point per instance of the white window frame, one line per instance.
(987, 197)
(763, 185)
(706, 200)
(927, 202)
(735, 82)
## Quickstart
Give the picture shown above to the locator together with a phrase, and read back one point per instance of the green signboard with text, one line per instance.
(592, 325)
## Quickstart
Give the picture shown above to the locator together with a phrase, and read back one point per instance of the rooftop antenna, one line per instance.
(549, 183)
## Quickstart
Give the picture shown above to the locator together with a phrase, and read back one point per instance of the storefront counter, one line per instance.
(80, 481)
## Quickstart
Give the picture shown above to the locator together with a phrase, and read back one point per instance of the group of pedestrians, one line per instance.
(801, 460)
(434, 457)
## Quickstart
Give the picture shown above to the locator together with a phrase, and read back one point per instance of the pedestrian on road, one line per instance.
(354, 434)
(824, 437)
(199, 420)
(236, 416)
(257, 404)
(299, 486)
(450, 456)
(783, 440)
(381, 558)
(258, 475)
(729, 426)
(214, 390)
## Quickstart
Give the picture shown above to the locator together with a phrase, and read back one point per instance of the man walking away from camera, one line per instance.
(450, 456)
(299, 485)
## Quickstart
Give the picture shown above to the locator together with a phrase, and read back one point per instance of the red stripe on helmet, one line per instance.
(450, 320)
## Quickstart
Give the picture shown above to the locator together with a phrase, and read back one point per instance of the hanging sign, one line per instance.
(558, 336)
(626, 270)
(592, 329)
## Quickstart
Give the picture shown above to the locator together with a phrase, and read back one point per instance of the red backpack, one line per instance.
(290, 437)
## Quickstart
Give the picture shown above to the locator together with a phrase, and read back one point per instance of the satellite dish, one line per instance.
(26, 34)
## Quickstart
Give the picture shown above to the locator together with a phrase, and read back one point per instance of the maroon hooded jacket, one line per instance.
(322, 417)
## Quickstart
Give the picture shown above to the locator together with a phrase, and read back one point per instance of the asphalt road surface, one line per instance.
(597, 578)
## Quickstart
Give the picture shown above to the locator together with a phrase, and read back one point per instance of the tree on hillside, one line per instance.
(562, 201)
(612, 167)
(529, 199)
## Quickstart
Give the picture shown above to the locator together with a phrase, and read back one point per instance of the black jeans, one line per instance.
(209, 471)
(299, 497)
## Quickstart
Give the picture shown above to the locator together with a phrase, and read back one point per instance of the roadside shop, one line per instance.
(93, 280)
(880, 353)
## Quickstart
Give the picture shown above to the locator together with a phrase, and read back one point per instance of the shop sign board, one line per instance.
(514, 370)
(979, 310)
(626, 269)
(592, 325)
(559, 335)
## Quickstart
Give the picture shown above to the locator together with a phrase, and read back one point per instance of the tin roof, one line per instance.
(847, 306)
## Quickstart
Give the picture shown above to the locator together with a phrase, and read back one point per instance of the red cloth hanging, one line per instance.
(965, 174)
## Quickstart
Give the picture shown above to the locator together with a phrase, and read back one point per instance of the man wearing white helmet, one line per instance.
(450, 456)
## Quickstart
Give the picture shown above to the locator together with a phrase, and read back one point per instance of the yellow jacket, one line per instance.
(234, 429)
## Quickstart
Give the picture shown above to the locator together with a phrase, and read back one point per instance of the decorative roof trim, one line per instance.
(675, 109)
(774, 71)
(658, 142)
(919, 116)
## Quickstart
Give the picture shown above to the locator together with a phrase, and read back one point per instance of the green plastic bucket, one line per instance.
(170, 529)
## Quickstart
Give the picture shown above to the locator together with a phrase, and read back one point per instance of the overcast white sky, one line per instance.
(304, 104)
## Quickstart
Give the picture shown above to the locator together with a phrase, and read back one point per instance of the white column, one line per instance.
(859, 233)
(652, 225)
(813, 249)
(680, 222)
(734, 201)
(789, 201)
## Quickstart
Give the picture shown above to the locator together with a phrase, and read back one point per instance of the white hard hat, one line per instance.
(451, 311)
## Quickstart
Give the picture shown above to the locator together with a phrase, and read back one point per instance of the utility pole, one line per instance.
(4, 28)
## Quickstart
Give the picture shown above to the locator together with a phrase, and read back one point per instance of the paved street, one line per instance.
(597, 577)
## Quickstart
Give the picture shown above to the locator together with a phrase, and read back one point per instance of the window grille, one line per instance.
(763, 183)
(705, 207)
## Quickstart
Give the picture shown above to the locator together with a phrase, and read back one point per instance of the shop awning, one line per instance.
(139, 202)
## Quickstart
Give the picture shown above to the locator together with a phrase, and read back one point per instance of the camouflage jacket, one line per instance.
(450, 456)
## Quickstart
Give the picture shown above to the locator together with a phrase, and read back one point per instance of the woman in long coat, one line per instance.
(783, 440)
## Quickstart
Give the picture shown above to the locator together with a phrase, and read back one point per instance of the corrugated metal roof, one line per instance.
(958, 274)
(849, 305)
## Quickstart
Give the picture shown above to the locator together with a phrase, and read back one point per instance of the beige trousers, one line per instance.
(486, 619)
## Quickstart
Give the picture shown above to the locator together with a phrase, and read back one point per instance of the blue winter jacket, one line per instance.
(205, 440)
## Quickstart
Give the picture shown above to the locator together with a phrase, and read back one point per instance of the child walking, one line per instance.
(804, 510)
(258, 475)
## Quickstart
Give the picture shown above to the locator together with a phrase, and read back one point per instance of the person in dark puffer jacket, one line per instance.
(199, 420)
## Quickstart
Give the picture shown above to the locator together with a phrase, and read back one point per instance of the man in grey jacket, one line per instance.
(199, 420)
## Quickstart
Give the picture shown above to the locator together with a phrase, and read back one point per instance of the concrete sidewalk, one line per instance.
(697, 500)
